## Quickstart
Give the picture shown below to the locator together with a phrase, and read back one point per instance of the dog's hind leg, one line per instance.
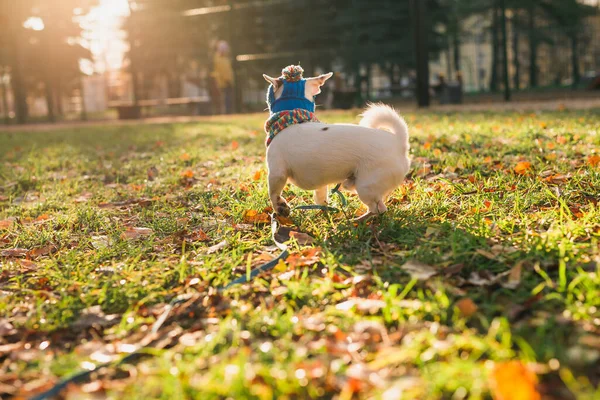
(371, 194)
(276, 185)
(321, 196)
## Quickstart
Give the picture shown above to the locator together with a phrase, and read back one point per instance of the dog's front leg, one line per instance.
(321, 196)
(276, 185)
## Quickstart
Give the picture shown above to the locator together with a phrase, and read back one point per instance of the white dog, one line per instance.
(370, 158)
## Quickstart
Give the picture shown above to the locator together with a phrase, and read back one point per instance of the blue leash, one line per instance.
(84, 375)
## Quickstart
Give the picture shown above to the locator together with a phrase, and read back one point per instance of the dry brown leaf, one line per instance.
(42, 251)
(7, 223)
(14, 253)
(199, 236)
(466, 307)
(152, 173)
(94, 316)
(217, 247)
(419, 270)
(306, 257)
(136, 233)
(302, 238)
(370, 306)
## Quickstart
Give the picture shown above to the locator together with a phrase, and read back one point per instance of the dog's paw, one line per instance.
(283, 209)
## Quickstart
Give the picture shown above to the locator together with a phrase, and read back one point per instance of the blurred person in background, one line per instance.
(222, 79)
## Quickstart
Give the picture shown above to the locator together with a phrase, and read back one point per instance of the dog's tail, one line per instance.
(381, 116)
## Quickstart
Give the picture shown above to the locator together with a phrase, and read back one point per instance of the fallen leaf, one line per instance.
(184, 157)
(302, 238)
(199, 236)
(217, 247)
(100, 242)
(419, 270)
(14, 253)
(257, 175)
(284, 220)
(7, 223)
(594, 160)
(188, 173)
(514, 277)
(522, 167)
(6, 328)
(466, 306)
(152, 173)
(94, 316)
(254, 217)
(370, 306)
(42, 251)
(43, 217)
(512, 380)
(234, 145)
(136, 233)
(306, 257)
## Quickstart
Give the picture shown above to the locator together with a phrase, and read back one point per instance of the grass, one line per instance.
(102, 227)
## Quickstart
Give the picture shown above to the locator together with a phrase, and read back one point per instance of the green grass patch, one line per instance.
(101, 228)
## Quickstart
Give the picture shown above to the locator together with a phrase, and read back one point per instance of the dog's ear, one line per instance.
(273, 81)
(313, 85)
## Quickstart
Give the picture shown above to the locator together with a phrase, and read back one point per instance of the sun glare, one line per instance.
(35, 23)
(103, 33)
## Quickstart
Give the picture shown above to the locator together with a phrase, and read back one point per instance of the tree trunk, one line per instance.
(58, 95)
(456, 46)
(575, 60)
(516, 63)
(50, 100)
(18, 84)
(533, 82)
(4, 99)
(495, 48)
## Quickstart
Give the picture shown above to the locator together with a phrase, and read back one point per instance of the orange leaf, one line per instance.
(284, 220)
(561, 140)
(427, 145)
(188, 173)
(6, 223)
(512, 380)
(199, 236)
(234, 145)
(184, 157)
(466, 307)
(257, 175)
(522, 167)
(42, 217)
(254, 217)
(594, 160)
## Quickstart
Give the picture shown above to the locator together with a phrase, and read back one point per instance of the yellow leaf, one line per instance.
(522, 167)
(512, 380)
(281, 266)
